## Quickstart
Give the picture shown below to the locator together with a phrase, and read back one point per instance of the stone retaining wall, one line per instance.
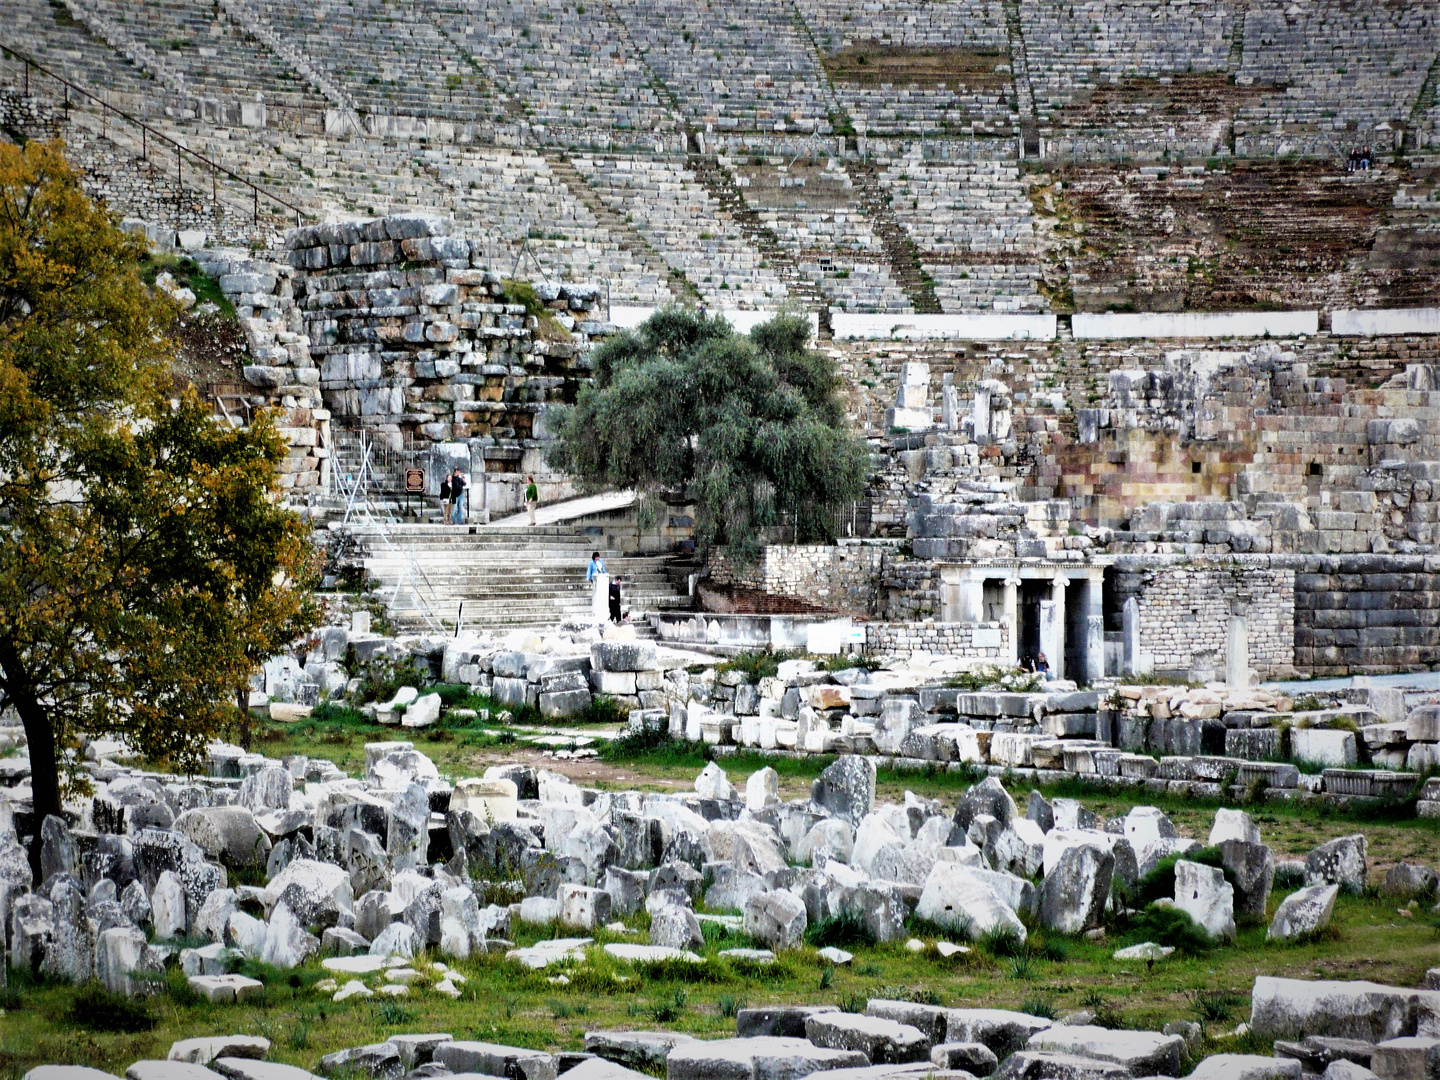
(843, 576)
(988, 642)
(1185, 611)
(1367, 613)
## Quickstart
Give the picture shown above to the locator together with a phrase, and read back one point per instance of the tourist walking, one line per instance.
(457, 493)
(447, 496)
(532, 497)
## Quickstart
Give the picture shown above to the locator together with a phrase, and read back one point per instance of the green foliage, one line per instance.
(668, 1010)
(1053, 949)
(751, 428)
(845, 661)
(843, 930)
(730, 1005)
(1214, 1006)
(1039, 1006)
(757, 664)
(653, 747)
(918, 995)
(995, 678)
(187, 274)
(1002, 941)
(1160, 882)
(147, 566)
(96, 1008)
(524, 294)
(603, 710)
(1173, 927)
(1105, 1012)
(392, 1014)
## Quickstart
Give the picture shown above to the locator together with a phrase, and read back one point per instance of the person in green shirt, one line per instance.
(532, 497)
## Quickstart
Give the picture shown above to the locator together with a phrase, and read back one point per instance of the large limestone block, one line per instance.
(960, 898)
(767, 1057)
(1144, 1053)
(883, 1041)
(1294, 1008)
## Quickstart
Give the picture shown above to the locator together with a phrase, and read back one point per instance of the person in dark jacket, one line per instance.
(457, 493)
(615, 615)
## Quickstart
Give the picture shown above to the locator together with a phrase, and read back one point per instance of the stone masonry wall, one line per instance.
(843, 576)
(1372, 614)
(944, 639)
(412, 339)
(1185, 612)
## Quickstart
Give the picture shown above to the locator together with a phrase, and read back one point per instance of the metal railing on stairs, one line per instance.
(147, 133)
(360, 503)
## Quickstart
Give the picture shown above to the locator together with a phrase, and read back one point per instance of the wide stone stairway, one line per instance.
(489, 576)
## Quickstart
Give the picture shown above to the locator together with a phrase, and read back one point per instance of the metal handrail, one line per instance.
(215, 167)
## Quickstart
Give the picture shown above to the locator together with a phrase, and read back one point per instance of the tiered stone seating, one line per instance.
(958, 82)
(54, 39)
(812, 212)
(1071, 47)
(1334, 65)
(684, 223)
(388, 55)
(733, 64)
(840, 24)
(211, 55)
(580, 76)
(972, 225)
(903, 110)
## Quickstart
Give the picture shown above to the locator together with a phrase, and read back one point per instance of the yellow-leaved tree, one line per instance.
(143, 554)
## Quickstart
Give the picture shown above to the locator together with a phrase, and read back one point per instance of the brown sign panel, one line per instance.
(414, 481)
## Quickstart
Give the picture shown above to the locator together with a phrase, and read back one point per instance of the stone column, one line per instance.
(949, 408)
(972, 600)
(1057, 642)
(1237, 653)
(1094, 628)
(981, 415)
(600, 602)
(1136, 663)
(1012, 620)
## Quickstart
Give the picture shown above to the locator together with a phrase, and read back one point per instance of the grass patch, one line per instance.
(841, 931)
(759, 663)
(187, 273)
(996, 678)
(96, 1008)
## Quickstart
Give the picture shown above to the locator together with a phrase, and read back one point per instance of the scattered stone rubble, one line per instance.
(384, 879)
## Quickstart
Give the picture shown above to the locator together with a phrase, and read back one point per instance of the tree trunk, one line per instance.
(40, 740)
(44, 769)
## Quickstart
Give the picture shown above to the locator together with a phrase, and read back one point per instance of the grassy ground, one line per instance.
(504, 1003)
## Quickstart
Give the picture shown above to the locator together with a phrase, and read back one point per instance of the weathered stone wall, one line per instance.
(1371, 614)
(844, 576)
(942, 639)
(413, 340)
(1185, 611)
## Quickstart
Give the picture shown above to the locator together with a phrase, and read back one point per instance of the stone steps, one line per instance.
(504, 576)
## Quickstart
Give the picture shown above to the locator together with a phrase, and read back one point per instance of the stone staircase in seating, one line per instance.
(504, 577)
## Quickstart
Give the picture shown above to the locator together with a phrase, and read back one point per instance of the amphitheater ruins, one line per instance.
(1149, 372)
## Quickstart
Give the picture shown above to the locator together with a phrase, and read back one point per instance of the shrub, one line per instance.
(1037, 1006)
(96, 1008)
(759, 663)
(1160, 882)
(1173, 927)
(603, 710)
(1002, 941)
(845, 929)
